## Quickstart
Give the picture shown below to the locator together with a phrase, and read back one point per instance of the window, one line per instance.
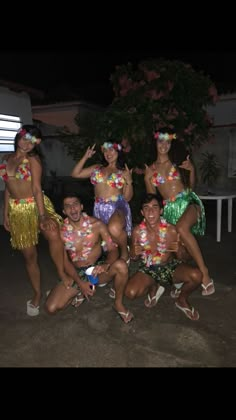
(9, 125)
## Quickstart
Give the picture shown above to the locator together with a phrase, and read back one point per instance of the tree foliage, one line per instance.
(158, 93)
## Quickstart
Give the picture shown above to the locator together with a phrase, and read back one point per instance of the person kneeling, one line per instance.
(84, 239)
(155, 241)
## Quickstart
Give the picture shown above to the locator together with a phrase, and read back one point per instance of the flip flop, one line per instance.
(205, 288)
(32, 310)
(125, 316)
(190, 313)
(112, 293)
(78, 300)
(175, 293)
(152, 301)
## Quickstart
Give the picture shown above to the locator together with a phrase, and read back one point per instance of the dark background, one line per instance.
(88, 69)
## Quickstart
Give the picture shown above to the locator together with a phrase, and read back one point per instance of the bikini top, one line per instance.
(22, 172)
(114, 180)
(157, 179)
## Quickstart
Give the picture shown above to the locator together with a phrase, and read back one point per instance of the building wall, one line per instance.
(17, 104)
(224, 120)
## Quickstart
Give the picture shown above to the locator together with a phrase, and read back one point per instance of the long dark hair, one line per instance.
(177, 154)
(120, 164)
(34, 131)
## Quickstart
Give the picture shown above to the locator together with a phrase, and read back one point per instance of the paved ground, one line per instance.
(94, 336)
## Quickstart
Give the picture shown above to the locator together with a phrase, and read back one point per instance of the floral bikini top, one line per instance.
(157, 179)
(114, 180)
(22, 172)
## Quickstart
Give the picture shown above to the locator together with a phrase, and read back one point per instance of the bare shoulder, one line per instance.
(35, 160)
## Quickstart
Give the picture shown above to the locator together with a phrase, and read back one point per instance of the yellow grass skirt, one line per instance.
(24, 221)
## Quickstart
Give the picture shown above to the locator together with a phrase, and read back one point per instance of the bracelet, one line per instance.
(42, 216)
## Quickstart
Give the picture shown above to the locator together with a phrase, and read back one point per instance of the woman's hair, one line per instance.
(177, 154)
(34, 132)
(120, 164)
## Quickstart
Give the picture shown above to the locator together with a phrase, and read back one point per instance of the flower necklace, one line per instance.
(148, 257)
(70, 237)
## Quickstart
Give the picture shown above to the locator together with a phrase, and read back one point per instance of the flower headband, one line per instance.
(27, 136)
(164, 136)
(114, 146)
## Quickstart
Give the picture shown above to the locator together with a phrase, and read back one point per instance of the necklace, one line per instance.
(70, 236)
(148, 257)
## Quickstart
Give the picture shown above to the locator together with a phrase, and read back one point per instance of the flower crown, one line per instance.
(164, 136)
(107, 146)
(23, 133)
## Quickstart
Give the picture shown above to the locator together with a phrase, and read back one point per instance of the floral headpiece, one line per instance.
(114, 146)
(164, 136)
(27, 136)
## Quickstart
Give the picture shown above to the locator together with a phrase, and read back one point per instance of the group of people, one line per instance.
(172, 215)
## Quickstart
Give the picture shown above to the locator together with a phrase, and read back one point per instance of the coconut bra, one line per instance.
(157, 179)
(22, 172)
(114, 180)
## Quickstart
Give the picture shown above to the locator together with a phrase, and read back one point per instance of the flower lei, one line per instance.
(108, 145)
(148, 257)
(3, 172)
(70, 236)
(164, 136)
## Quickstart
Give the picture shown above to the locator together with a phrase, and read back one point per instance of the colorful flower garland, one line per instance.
(70, 236)
(164, 136)
(148, 257)
(108, 145)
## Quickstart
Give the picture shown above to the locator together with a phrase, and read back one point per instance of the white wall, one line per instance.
(17, 104)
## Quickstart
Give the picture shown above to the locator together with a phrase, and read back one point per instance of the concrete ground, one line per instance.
(94, 336)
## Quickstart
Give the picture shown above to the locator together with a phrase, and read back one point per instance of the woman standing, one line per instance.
(27, 210)
(113, 189)
(182, 207)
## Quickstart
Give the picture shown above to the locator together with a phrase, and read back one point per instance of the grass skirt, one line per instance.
(104, 209)
(174, 209)
(24, 221)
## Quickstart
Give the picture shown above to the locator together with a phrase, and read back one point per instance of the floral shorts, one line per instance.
(162, 274)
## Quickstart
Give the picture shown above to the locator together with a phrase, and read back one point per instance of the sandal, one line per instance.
(210, 286)
(152, 301)
(32, 310)
(78, 300)
(190, 313)
(112, 293)
(125, 316)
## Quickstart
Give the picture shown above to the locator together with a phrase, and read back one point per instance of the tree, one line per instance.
(158, 93)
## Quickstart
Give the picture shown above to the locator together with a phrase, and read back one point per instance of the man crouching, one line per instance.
(84, 239)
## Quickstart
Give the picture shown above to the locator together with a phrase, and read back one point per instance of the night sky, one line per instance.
(49, 69)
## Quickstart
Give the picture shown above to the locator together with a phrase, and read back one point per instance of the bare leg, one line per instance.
(116, 227)
(192, 278)
(183, 227)
(60, 298)
(31, 263)
(139, 285)
(56, 248)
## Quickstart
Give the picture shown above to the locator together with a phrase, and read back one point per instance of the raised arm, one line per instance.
(188, 166)
(79, 171)
(150, 189)
(128, 190)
